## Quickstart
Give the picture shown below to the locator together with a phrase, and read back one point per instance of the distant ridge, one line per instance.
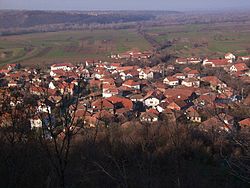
(25, 18)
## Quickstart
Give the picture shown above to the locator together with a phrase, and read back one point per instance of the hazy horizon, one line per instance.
(175, 5)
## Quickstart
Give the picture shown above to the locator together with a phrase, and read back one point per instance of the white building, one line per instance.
(231, 57)
(171, 81)
(62, 66)
(36, 123)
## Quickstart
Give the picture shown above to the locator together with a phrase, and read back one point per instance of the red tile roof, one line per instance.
(245, 122)
(241, 66)
(102, 104)
(127, 103)
(62, 64)
(130, 83)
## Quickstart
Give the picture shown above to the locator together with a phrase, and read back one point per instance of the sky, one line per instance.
(179, 5)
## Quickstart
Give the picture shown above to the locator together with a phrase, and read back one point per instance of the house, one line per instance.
(36, 90)
(104, 115)
(214, 82)
(193, 74)
(4, 72)
(84, 73)
(244, 58)
(126, 68)
(245, 123)
(216, 63)
(205, 99)
(100, 73)
(92, 122)
(62, 66)
(44, 108)
(214, 124)
(11, 67)
(153, 98)
(171, 81)
(231, 57)
(193, 115)
(128, 74)
(95, 84)
(101, 104)
(186, 70)
(57, 72)
(191, 82)
(36, 122)
(109, 91)
(12, 83)
(159, 86)
(131, 84)
(239, 67)
(186, 94)
(181, 61)
(226, 119)
(146, 74)
(180, 76)
(121, 102)
(170, 67)
(137, 98)
(115, 65)
(66, 88)
(177, 105)
(148, 117)
(193, 60)
(52, 85)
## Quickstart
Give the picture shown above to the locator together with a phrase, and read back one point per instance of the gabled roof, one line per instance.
(240, 66)
(154, 93)
(62, 65)
(245, 122)
(148, 115)
(180, 103)
(212, 80)
(181, 60)
(127, 103)
(190, 80)
(81, 113)
(102, 104)
(59, 72)
(191, 112)
(154, 111)
(177, 92)
(103, 114)
(171, 79)
(130, 83)
(213, 122)
(186, 70)
(207, 98)
(219, 62)
(193, 72)
(179, 75)
(137, 96)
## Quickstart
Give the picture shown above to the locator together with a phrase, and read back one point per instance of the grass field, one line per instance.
(75, 45)
(205, 39)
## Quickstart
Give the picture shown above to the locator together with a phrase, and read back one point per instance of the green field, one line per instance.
(204, 39)
(69, 45)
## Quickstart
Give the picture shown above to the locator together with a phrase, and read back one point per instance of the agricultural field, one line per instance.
(203, 40)
(213, 40)
(68, 45)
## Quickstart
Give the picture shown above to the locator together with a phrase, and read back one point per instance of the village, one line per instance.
(192, 91)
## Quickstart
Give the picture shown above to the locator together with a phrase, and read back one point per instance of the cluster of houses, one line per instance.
(113, 92)
(135, 54)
